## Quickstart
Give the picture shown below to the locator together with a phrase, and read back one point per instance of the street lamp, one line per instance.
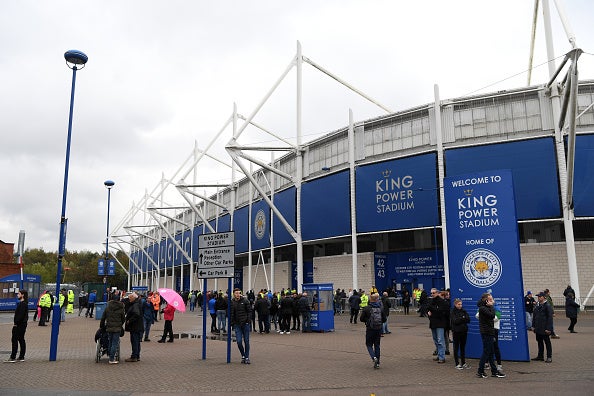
(74, 60)
(108, 184)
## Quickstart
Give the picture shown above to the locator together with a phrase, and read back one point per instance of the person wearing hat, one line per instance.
(542, 325)
(529, 303)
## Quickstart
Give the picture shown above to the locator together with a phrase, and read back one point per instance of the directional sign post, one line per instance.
(216, 255)
(216, 259)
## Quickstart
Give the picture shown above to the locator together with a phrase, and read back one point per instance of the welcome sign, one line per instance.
(484, 256)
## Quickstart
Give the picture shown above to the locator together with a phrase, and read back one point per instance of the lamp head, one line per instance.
(109, 184)
(76, 58)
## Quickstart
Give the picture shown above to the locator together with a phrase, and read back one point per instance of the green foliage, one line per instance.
(77, 267)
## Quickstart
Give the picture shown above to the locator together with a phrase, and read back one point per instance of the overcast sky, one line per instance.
(164, 74)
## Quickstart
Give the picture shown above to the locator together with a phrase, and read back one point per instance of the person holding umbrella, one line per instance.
(168, 314)
(240, 321)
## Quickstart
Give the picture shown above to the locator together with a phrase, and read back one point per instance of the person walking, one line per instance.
(459, 320)
(373, 316)
(19, 327)
(571, 311)
(82, 301)
(355, 304)
(168, 315)
(240, 321)
(91, 303)
(542, 325)
(406, 302)
(112, 320)
(134, 326)
(487, 329)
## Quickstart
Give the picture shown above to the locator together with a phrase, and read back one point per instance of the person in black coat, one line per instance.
(355, 304)
(262, 306)
(286, 310)
(19, 327)
(134, 325)
(240, 321)
(459, 320)
(486, 311)
(571, 311)
(542, 325)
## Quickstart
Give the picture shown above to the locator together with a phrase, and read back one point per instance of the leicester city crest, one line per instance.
(260, 224)
(482, 268)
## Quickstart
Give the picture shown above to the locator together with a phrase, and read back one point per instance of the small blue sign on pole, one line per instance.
(111, 267)
(484, 256)
(101, 267)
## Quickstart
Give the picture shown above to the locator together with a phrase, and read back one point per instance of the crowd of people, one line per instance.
(287, 310)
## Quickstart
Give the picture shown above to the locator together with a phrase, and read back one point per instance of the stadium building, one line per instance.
(364, 206)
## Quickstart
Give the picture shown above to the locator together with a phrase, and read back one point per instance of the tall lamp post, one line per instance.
(108, 184)
(74, 60)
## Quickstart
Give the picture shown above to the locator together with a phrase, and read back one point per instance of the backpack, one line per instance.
(375, 319)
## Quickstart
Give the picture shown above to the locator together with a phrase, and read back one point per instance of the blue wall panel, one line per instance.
(325, 206)
(533, 165)
(583, 186)
(397, 194)
(198, 230)
(240, 226)
(285, 201)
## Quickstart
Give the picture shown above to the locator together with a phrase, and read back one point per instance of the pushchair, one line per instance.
(102, 342)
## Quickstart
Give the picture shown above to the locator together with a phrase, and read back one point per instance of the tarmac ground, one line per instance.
(331, 363)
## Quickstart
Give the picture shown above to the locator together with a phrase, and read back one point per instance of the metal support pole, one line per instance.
(74, 57)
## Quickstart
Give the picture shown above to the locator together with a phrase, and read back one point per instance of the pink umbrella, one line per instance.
(173, 298)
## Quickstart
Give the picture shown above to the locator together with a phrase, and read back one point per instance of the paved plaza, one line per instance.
(334, 363)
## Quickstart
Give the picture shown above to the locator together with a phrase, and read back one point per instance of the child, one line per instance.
(459, 322)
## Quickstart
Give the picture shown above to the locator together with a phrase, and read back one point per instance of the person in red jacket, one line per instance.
(168, 314)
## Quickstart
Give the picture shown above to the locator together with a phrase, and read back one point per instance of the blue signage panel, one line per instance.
(583, 185)
(111, 267)
(101, 267)
(484, 255)
(260, 225)
(285, 201)
(397, 194)
(409, 269)
(238, 278)
(307, 273)
(534, 167)
(328, 197)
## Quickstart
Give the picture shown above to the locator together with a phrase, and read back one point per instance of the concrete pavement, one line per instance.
(333, 363)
